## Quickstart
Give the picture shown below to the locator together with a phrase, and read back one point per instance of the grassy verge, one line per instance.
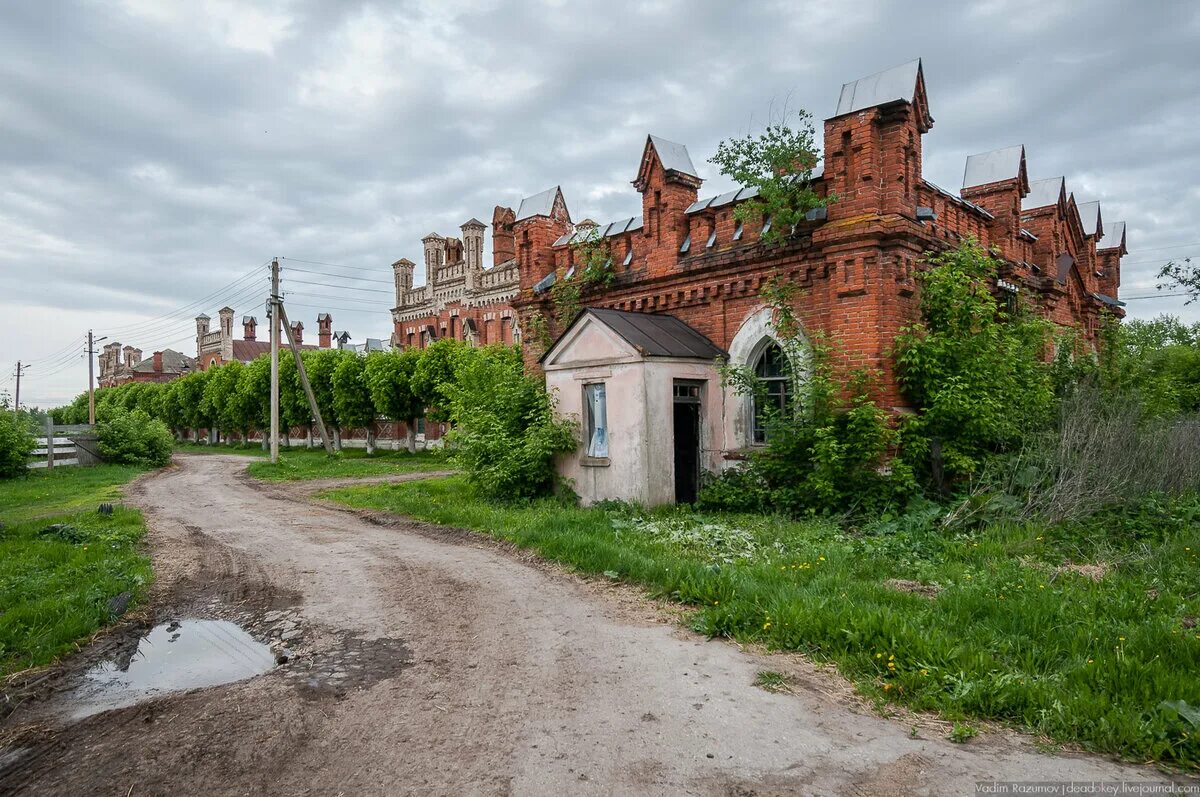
(298, 464)
(999, 624)
(55, 588)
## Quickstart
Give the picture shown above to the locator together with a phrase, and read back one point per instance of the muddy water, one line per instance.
(173, 657)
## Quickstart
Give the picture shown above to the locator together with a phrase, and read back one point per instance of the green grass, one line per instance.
(1006, 636)
(55, 591)
(298, 464)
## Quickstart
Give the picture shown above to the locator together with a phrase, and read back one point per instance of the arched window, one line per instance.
(772, 399)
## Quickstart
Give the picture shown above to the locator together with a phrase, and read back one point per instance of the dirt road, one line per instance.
(433, 662)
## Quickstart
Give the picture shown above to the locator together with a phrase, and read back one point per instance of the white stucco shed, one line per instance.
(648, 396)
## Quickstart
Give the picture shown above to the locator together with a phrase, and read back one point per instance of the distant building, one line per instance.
(460, 298)
(120, 365)
(214, 347)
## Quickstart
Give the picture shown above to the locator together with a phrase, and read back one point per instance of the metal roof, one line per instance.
(473, 222)
(538, 204)
(897, 83)
(722, 199)
(674, 157)
(249, 319)
(1063, 265)
(1110, 301)
(583, 231)
(1089, 215)
(994, 166)
(956, 198)
(1113, 237)
(656, 335)
(1044, 192)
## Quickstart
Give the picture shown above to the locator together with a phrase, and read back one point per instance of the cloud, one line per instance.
(154, 153)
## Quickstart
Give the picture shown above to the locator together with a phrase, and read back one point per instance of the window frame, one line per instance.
(777, 391)
(595, 452)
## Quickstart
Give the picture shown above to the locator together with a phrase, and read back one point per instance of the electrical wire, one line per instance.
(334, 265)
(341, 287)
(339, 276)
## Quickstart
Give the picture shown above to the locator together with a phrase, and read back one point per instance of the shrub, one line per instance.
(16, 444)
(826, 450)
(974, 370)
(134, 438)
(505, 434)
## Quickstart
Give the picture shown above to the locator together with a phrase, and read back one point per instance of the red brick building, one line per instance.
(854, 264)
(460, 299)
(118, 366)
(214, 347)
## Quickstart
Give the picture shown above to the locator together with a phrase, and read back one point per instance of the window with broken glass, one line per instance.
(596, 409)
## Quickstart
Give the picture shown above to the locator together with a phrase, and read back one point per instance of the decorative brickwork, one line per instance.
(856, 266)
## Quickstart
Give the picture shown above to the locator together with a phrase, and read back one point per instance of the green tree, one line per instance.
(1181, 276)
(320, 366)
(254, 396)
(779, 162)
(389, 377)
(351, 396)
(975, 371)
(191, 400)
(434, 371)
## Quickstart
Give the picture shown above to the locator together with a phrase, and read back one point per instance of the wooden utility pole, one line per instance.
(91, 381)
(312, 400)
(20, 370)
(275, 308)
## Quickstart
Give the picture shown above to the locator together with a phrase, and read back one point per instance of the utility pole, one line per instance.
(275, 306)
(91, 355)
(17, 405)
(312, 400)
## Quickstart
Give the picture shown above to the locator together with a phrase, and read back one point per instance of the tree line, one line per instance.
(352, 391)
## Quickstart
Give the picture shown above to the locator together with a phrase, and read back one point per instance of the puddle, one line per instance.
(173, 657)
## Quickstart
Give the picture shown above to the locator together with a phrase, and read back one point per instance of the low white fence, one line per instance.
(65, 445)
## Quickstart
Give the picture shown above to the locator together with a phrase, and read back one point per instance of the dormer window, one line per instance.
(687, 244)
(712, 239)
(737, 230)
(766, 223)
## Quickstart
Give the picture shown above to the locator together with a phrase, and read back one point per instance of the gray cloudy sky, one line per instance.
(152, 152)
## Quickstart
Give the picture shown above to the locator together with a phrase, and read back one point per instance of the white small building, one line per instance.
(648, 395)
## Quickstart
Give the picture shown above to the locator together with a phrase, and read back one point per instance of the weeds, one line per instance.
(771, 681)
(962, 733)
(62, 564)
(1010, 635)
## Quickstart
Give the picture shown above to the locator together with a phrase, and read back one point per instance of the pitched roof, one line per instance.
(674, 157)
(651, 334)
(897, 83)
(1089, 216)
(172, 363)
(1113, 238)
(1043, 193)
(473, 222)
(538, 205)
(994, 166)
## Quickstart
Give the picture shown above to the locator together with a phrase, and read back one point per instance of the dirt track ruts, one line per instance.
(467, 669)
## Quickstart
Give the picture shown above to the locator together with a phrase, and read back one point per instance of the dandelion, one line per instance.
(879, 655)
(891, 658)
(924, 671)
(887, 687)
(1120, 639)
(1089, 661)
(766, 625)
(821, 558)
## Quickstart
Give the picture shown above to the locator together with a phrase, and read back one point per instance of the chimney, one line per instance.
(249, 324)
(435, 252)
(324, 330)
(473, 251)
(504, 242)
(402, 270)
(298, 332)
(158, 362)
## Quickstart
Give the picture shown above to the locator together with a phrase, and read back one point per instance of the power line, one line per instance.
(180, 312)
(1152, 296)
(334, 265)
(342, 287)
(1172, 246)
(338, 276)
(331, 307)
(371, 302)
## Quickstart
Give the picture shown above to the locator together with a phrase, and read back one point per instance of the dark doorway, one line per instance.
(687, 441)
